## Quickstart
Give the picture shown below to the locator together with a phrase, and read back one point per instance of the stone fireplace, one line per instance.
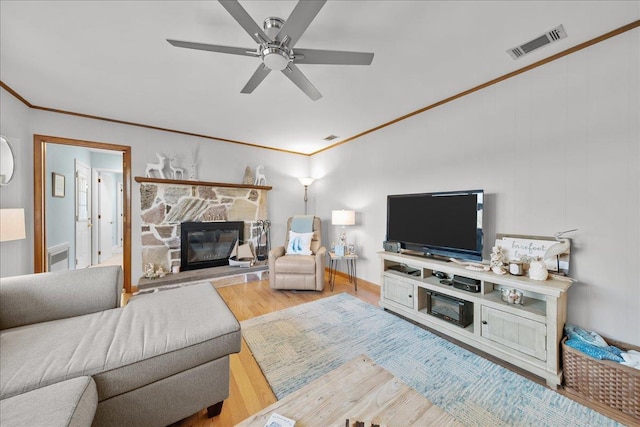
(166, 204)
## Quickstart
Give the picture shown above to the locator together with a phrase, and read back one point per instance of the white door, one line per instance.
(83, 215)
(106, 194)
(120, 216)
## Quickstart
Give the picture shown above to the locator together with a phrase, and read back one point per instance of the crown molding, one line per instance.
(529, 67)
(124, 122)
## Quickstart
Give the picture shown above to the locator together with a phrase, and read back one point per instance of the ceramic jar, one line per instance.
(516, 268)
(538, 270)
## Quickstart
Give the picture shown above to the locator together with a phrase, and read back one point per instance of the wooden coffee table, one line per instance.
(359, 390)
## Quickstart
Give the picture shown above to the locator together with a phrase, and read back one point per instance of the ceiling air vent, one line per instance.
(330, 138)
(549, 37)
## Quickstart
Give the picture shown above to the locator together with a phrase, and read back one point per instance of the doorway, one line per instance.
(107, 188)
(39, 179)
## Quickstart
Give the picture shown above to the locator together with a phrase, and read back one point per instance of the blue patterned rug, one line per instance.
(297, 345)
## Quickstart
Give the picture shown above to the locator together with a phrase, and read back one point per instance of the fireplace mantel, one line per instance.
(142, 179)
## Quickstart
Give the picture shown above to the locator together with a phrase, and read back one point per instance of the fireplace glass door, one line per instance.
(208, 244)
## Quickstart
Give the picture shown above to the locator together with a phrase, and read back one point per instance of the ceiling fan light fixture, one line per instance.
(275, 58)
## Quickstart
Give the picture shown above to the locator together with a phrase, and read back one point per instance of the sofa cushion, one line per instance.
(154, 336)
(70, 403)
(43, 297)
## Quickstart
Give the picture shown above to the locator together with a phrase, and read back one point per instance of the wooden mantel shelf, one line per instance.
(204, 183)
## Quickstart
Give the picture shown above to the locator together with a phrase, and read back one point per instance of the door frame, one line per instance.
(39, 197)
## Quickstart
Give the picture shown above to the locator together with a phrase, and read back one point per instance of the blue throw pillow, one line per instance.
(299, 243)
(577, 332)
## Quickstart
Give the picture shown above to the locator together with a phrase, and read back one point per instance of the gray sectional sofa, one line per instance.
(71, 356)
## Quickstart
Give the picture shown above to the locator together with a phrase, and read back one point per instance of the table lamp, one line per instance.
(342, 218)
(12, 225)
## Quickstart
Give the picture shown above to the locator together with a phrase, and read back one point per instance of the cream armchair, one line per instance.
(301, 272)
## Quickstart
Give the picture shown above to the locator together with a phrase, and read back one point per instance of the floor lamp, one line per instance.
(306, 181)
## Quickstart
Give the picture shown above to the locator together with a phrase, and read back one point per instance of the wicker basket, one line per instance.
(604, 381)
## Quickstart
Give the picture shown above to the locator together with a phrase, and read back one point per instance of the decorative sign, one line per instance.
(530, 248)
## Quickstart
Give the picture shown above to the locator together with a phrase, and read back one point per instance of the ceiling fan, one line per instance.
(275, 46)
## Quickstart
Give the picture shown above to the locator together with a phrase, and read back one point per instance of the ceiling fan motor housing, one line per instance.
(272, 26)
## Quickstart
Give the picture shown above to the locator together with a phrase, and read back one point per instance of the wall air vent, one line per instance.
(330, 138)
(549, 37)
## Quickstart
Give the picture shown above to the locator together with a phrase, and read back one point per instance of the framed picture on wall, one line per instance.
(58, 184)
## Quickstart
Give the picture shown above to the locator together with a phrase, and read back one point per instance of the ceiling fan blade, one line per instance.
(299, 79)
(214, 48)
(256, 79)
(242, 17)
(299, 20)
(333, 57)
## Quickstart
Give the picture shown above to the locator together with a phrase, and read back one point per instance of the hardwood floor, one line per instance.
(249, 390)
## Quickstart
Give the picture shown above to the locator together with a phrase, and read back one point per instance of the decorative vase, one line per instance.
(248, 176)
(538, 270)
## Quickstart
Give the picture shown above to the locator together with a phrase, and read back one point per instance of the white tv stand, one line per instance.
(527, 336)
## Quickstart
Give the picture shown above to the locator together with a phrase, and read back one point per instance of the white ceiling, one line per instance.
(110, 59)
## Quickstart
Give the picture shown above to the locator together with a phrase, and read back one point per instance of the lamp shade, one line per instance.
(343, 217)
(12, 225)
(306, 181)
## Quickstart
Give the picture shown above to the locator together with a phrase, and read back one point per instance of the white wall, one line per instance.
(555, 148)
(218, 162)
(16, 257)
(60, 219)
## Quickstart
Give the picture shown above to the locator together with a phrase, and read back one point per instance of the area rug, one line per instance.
(297, 345)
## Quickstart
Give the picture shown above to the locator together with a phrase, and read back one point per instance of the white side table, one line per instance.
(351, 268)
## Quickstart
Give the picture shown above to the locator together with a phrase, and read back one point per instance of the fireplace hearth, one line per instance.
(208, 244)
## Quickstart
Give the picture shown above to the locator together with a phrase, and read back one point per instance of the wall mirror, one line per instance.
(7, 161)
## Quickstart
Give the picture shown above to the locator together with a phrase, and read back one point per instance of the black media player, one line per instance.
(466, 284)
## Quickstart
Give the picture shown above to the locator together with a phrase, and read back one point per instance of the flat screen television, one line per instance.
(447, 224)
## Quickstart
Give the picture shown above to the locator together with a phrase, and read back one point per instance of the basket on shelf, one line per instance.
(604, 381)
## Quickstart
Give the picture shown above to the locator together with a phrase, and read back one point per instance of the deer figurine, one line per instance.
(260, 178)
(175, 170)
(156, 167)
